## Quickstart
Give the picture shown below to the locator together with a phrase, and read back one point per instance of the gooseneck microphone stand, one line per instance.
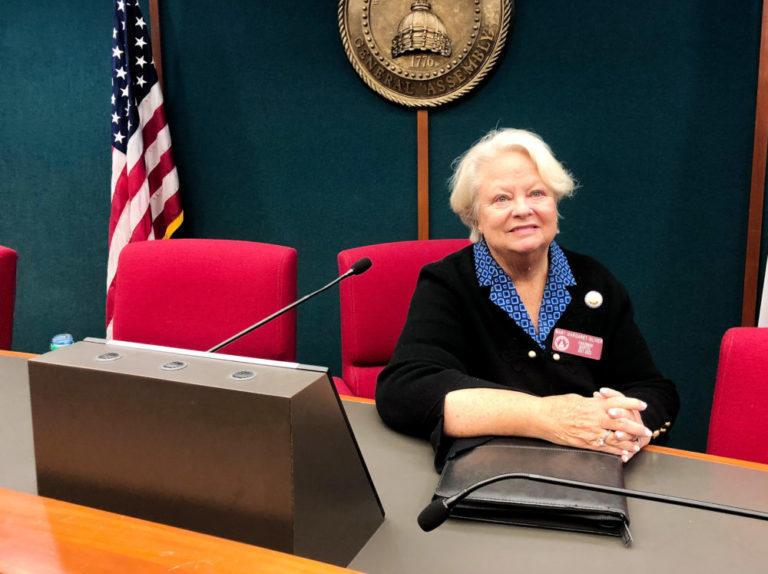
(357, 268)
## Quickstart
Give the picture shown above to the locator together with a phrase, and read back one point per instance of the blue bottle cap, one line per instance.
(61, 340)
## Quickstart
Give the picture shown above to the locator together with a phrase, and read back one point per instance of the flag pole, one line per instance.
(157, 57)
(757, 185)
(157, 46)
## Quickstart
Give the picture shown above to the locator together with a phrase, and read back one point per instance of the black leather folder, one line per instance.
(528, 503)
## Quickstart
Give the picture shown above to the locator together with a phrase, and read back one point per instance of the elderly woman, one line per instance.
(515, 335)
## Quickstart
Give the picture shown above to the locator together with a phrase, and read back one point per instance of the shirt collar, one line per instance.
(504, 295)
(487, 269)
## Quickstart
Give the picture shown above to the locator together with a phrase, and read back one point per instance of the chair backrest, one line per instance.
(738, 427)
(375, 304)
(195, 293)
(8, 259)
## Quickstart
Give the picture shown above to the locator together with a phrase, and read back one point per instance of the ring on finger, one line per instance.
(601, 440)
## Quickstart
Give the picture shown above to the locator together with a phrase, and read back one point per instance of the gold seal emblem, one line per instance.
(423, 53)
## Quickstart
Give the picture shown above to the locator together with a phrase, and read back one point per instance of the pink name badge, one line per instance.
(577, 344)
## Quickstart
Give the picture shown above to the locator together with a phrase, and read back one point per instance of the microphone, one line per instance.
(438, 511)
(358, 267)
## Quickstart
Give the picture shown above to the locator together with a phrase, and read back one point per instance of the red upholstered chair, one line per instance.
(375, 304)
(738, 427)
(7, 295)
(195, 293)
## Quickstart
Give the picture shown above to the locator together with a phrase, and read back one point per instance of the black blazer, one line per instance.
(456, 338)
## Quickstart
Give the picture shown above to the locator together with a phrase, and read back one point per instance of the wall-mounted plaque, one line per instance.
(423, 53)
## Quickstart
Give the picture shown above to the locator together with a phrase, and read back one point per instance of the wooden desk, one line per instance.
(667, 538)
(43, 536)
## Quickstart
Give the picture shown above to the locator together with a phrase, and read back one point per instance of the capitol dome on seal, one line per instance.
(421, 31)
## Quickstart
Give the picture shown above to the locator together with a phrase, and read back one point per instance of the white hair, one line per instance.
(465, 181)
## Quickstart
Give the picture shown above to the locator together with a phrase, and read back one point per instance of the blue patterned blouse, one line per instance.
(503, 292)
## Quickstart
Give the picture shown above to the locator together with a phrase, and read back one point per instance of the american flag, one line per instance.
(145, 185)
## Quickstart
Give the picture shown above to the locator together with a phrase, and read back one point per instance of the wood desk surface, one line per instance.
(44, 536)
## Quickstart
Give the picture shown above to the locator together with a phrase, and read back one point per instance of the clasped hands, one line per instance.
(608, 422)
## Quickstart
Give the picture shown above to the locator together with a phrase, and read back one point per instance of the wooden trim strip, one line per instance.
(757, 185)
(708, 457)
(157, 42)
(352, 399)
(422, 169)
(17, 354)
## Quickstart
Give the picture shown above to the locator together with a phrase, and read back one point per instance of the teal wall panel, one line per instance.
(650, 105)
(55, 163)
(285, 145)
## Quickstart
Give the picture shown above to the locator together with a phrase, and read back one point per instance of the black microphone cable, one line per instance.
(438, 511)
